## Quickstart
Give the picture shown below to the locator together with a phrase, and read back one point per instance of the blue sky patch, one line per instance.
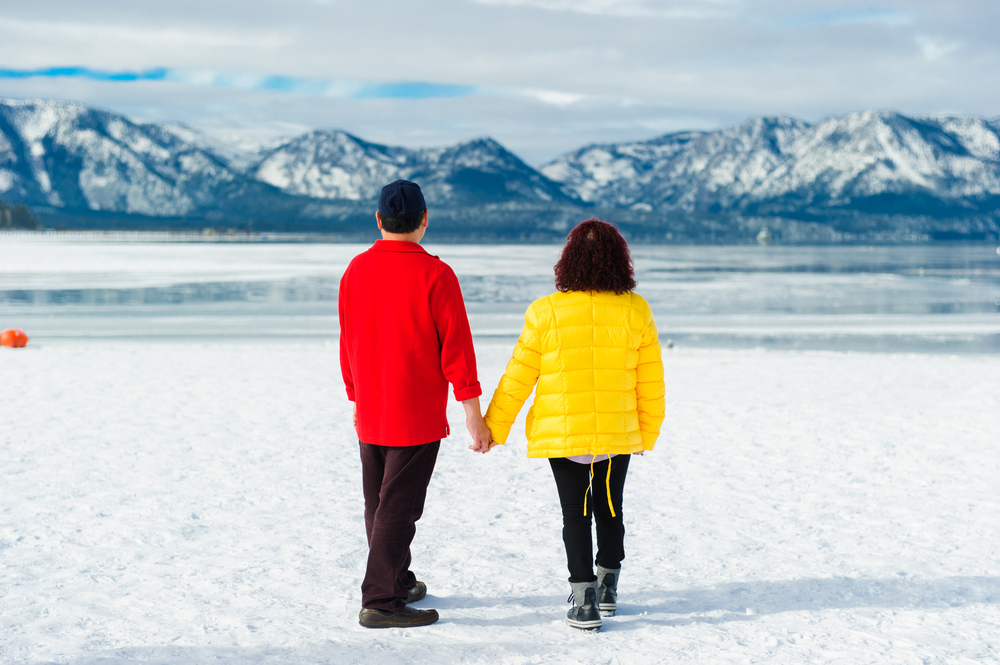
(414, 90)
(251, 81)
(887, 17)
(158, 74)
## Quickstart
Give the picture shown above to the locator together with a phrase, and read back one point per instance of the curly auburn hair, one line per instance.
(595, 258)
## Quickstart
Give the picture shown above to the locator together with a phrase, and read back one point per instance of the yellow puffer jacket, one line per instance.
(596, 358)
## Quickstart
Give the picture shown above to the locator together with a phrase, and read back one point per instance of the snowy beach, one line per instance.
(194, 496)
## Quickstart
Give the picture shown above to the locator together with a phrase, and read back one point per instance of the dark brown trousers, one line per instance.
(395, 484)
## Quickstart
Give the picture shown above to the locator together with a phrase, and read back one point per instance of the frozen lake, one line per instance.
(908, 298)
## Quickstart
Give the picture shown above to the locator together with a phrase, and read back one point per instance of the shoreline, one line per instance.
(234, 236)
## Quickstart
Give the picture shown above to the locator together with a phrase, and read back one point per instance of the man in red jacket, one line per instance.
(404, 336)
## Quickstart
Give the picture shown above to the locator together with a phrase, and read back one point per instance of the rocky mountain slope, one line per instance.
(920, 174)
(871, 162)
(70, 156)
(331, 164)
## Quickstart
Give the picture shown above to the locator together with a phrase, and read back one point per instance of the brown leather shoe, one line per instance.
(416, 593)
(407, 618)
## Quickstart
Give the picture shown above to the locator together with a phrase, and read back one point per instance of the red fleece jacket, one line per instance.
(404, 336)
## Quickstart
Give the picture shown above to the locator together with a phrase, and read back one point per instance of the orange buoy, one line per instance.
(13, 338)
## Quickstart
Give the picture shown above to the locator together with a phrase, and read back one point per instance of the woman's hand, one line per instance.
(482, 437)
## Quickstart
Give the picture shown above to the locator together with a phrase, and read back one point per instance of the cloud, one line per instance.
(143, 35)
(935, 49)
(675, 9)
(554, 97)
(344, 89)
(541, 76)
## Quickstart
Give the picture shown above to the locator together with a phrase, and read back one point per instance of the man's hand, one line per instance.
(355, 417)
(482, 438)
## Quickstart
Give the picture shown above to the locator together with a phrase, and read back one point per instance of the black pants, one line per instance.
(395, 484)
(572, 481)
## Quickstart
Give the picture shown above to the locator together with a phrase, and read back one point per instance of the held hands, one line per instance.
(482, 438)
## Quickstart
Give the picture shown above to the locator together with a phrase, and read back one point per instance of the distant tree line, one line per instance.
(18, 216)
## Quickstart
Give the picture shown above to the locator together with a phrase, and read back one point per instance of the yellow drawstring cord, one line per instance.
(607, 484)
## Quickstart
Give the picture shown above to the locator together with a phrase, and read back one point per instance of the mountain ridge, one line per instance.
(781, 165)
(870, 169)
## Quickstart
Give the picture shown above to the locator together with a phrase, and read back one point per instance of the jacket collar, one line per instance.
(398, 246)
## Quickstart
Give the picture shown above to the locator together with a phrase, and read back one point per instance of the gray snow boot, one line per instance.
(584, 614)
(607, 590)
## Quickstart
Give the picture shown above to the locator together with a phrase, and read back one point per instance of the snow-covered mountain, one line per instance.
(332, 164)
(875, 161)
(240, 153)
(71, 156)
(62, 155)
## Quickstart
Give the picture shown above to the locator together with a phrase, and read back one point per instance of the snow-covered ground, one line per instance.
(199, 501)
(180, 481)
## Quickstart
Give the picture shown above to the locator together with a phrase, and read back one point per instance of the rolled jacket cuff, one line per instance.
(350, 395)
(462, 394)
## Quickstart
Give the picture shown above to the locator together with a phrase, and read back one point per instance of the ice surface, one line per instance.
(936, 298)
(59, 265)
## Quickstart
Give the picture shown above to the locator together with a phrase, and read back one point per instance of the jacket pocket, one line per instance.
(529, 421)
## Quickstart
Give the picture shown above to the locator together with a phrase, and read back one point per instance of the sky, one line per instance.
(543, 77)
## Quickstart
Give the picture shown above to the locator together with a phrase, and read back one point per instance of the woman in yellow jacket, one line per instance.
(593, 351)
